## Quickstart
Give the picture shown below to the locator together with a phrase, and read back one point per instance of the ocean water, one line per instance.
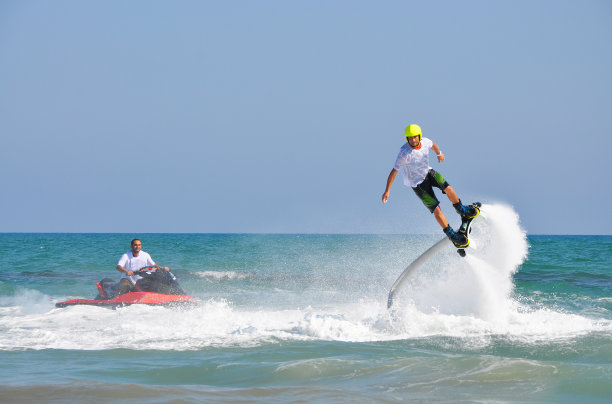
(304, 318)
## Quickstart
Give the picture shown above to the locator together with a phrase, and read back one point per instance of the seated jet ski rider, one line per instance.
(131, 262)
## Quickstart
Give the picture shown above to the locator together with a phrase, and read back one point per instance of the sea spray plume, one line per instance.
(478, 286)
(500, 241)
(500, 247)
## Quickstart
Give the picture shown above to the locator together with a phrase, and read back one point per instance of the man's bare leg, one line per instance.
(452, 195)
(440, 218)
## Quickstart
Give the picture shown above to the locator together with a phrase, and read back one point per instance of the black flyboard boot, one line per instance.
(458, 239)
(467, 211)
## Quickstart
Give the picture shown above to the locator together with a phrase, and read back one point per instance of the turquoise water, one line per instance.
(303, 318)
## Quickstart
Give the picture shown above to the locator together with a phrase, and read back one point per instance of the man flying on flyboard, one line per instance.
(413, 160)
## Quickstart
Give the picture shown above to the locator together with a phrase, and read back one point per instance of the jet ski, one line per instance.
(157, 287)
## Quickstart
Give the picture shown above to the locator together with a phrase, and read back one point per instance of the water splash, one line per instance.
(471, 299)
(473, 296)
(223, 275)
(479, 284)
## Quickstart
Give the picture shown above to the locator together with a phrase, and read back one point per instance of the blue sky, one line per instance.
(287, 116)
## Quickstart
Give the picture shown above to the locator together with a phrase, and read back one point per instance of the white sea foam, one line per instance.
(217, 323)
(223, 275)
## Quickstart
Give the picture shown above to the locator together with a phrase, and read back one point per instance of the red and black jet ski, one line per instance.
(157, 287)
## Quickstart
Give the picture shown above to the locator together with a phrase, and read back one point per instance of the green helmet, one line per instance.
(413, 130)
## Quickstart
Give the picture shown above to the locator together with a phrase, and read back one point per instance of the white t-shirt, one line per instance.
(131, 263)
(414, 163)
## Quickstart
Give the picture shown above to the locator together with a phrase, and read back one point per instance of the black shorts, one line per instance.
(425, 189)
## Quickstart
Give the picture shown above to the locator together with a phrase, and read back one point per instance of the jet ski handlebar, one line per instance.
(148, 270)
